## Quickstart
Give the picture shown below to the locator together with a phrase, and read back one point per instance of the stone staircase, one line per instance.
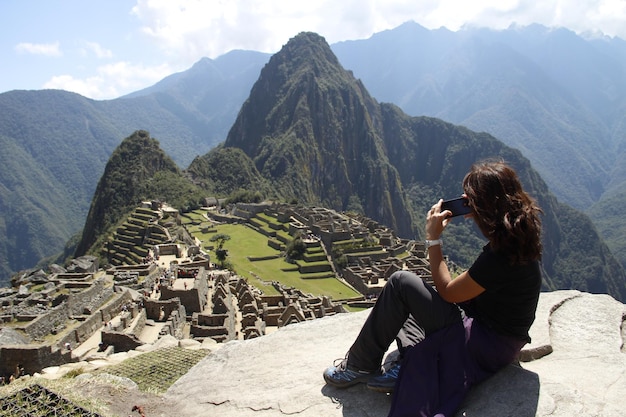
(133, 239)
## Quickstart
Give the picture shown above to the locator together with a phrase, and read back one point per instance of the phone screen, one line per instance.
(458, 206)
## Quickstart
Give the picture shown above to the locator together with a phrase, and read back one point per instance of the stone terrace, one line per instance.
(51, 319)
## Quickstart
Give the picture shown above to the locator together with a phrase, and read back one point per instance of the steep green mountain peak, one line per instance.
(138, 170)
(315, 133)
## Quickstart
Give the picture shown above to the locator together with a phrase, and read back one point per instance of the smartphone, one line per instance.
(458, 206)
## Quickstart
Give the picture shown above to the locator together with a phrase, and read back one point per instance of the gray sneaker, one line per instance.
(343, 376)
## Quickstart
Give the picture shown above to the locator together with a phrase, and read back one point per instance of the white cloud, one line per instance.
(92, 87)
(133, 76)
(111, 81)
(187, 30)
(46, 49)
(606, 16)
(97, 50)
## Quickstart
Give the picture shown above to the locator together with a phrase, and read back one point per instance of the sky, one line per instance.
(103, 49)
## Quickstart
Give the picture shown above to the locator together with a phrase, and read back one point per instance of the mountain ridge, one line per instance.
(417, 160)
(66, 139)
(137, 171)
(486, 80)
(308, 126)
(130, 110)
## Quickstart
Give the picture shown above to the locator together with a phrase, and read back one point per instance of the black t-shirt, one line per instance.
(511, 293)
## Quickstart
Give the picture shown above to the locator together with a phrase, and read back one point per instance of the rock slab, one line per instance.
(579, 369)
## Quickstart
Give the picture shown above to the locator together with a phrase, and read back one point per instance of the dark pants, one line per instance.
(408, 309)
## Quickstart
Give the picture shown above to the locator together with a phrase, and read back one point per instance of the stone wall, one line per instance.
(114, 306)
(143, 270)
(55, 318)
(328, 237)
(76, 276)
(136, 326)
(93, 322)
(373, 256)
(219, 327)
(82, 332)
(248, 210)
(167, 249)
(274, 244)
(175, 323)
(225, 218)
(32, 358)
(194, 298)
(126, 336)
(47, 323)
(356, 281)
(84, 302)
(160, 310)
(305, 268)
(199, 262)
(123, 342)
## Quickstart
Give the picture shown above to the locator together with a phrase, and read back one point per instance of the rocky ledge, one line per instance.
(577, 367)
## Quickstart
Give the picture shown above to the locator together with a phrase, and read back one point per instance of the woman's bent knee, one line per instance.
(402, 279)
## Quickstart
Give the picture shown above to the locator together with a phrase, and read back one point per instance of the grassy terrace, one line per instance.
(246, 243)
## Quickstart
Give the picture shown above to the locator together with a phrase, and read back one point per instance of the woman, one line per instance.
(464, 330)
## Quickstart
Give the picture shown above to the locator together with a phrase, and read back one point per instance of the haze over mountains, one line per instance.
(476, 76)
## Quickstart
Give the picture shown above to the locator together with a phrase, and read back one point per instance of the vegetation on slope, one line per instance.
(223, 171)
(311, 131)
(137, 171)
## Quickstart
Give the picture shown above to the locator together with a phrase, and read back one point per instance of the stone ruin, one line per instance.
(75, 303)
(70, 306)
(232, 297)
(368, 268)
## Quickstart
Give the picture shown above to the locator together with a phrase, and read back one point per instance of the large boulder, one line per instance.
(9, 336)
(577, 368)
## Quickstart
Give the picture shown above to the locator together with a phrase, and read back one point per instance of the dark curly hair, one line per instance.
(504, 212)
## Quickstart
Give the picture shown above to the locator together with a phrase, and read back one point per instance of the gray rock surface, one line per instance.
(10, 336)
(579, 370)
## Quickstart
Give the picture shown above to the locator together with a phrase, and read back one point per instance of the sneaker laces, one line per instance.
(341, 363)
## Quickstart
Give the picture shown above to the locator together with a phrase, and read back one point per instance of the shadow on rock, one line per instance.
(514, 391)
(358, 401)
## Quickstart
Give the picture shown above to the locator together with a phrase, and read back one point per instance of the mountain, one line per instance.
(558, 97)
(56, 144)
(52, 144)
(315, 134)
(308, 127)
(225, 170)
(137, 171)
(555, 96)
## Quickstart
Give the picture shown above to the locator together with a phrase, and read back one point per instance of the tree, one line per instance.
(296, 248)
(220, 252)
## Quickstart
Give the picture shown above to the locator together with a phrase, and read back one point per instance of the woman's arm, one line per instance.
(457, 290)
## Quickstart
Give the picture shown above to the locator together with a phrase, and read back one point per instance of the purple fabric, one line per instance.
(437, 373)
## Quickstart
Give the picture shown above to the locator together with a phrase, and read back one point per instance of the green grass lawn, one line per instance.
(245, 242)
